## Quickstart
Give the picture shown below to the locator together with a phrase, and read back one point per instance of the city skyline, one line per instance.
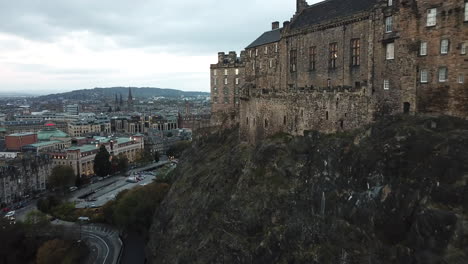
(60, 46)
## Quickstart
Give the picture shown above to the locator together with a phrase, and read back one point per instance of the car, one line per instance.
(6, 209)
(93, 205)
(100, 178)
(73, 188)
(10, 214)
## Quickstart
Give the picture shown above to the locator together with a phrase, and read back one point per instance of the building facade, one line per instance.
(82, 128)
(81, 158)
(339, 65)
(15, 142)
(23, 176)
(227, 78)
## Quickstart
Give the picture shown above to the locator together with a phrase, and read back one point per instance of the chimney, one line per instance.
(286, 23)
(301, 5)
(274, 25)
(232, 56)
(221, 57)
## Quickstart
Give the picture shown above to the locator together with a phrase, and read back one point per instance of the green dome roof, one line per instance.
(47, 133)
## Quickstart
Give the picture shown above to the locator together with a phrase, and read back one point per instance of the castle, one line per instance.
(338, 65)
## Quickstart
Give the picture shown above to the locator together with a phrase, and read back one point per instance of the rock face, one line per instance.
(393, 192)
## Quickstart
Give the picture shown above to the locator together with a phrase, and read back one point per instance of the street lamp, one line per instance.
(82, 219)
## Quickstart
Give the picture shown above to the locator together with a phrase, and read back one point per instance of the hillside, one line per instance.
(88, 94)
(393, 192)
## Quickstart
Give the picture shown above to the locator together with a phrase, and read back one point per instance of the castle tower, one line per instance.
(301, 5)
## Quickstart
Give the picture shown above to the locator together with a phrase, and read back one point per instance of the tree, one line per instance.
(177, 149)
(156, 156)
(120, 163)
(102, 164)
(62, 176)
(144, 156)
(60, 251)
(36, 219)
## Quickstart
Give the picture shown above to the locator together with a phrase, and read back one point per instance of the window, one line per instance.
(390, 2)
(256, 52)
(236, 90)
(226, 91)
(276, 47)
(431, 17)
(388, 24)
(293, 60)
(423, 48)
(250, 53)
(423, 76)
(225, 81)
(253, 65)
(215, 72)
(215, 81)
(237, 80)
(226, 100)
(444, 46)
(215, 99)
(266, 50)
(333, 55)
(463, 48)
(443, 74)
(386, 85)
(237, 71)
(355, 52)
(271, 63)
(312, 57)
(225, 72)
(215, 90)
(461, 78)
(466, 11)
(390, 51)
(236, 100)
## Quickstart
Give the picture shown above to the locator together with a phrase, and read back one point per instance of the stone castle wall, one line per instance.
(278, 97)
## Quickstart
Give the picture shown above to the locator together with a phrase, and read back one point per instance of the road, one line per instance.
(103, 242)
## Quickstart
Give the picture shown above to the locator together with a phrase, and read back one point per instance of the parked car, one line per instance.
(73, 188)
(10, 214)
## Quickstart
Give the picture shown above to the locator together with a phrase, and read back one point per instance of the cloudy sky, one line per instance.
(61, 45)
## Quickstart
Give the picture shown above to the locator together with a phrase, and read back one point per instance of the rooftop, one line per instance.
(43, 144)
(22, 134)
(328, 10)
(266, 38)
(84, 148)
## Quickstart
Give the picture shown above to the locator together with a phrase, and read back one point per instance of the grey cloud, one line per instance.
(204, 26)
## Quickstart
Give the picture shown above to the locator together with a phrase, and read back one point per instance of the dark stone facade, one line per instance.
(338, 65)
(227, 78)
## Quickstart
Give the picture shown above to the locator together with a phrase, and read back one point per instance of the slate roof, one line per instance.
(330, 9)
(266, 38)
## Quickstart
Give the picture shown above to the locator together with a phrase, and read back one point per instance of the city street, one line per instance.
(104, 191)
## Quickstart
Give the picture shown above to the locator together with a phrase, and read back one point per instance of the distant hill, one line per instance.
(145, 92)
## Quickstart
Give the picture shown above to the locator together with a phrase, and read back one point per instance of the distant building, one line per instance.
(82, 128)
(21, 177)
(15, 142)
(73, 109)
(11, 127)
(81, 158)
(227, 78)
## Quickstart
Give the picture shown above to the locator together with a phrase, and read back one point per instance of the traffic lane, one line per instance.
(105, 248)
(108, 194)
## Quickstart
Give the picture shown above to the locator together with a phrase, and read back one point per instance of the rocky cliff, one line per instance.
(393, 192)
